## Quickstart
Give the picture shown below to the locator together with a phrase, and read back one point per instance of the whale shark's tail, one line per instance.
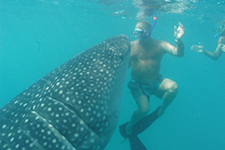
(138, 128)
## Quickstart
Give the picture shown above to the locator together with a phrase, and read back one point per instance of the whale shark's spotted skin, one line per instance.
(74, 107)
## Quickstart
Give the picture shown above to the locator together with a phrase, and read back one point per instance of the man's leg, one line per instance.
(170, 89)
(143, 109)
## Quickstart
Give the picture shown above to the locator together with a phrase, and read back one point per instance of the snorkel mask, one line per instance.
(219, 29)
(139, 32)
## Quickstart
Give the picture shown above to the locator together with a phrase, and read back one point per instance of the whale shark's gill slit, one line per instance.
(26, 135)
(87, 135)
(67, 122)
(4, 145)
(70, 108)
(41, 130)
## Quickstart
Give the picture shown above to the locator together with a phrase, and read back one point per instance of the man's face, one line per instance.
(140, 26)
(139, 30)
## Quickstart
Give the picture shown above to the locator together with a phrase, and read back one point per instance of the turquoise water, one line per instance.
(36, 37)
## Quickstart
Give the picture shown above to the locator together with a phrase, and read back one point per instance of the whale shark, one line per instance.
(74, 107)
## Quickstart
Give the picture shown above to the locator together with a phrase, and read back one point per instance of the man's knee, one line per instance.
(173, 88)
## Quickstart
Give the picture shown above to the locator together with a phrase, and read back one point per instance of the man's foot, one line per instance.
(129, 129)
(123, 132)
(160, 112)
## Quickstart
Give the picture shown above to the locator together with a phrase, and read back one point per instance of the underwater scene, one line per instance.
(37, 36)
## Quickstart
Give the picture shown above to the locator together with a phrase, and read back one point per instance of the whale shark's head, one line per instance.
(76, 106)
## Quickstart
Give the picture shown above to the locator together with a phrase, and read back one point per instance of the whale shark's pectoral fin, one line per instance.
(138, 128)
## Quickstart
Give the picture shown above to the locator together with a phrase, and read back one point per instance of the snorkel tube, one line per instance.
(222, 30)
(155, 18)
(218, 34)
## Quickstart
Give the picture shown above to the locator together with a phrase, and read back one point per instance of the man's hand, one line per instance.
(197, 48)
(179, 32)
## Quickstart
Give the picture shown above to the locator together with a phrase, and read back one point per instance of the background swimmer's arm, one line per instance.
(212, 55)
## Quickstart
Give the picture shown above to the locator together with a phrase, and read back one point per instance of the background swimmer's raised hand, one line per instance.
(179, 32)
(197, 48)
(223, 47)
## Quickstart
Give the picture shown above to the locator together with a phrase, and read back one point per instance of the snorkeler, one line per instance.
(146, 56)
(220, 46)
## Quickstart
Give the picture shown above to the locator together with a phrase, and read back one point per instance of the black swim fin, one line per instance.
(136, 144)
(142, 125)
(138, 128)
(145, 122)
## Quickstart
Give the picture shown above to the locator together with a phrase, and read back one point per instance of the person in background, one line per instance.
(220, 46)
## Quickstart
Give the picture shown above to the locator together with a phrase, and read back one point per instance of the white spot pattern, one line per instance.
(57, 110)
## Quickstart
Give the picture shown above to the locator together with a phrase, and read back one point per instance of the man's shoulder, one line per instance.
(160, 41)
(152, 41)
